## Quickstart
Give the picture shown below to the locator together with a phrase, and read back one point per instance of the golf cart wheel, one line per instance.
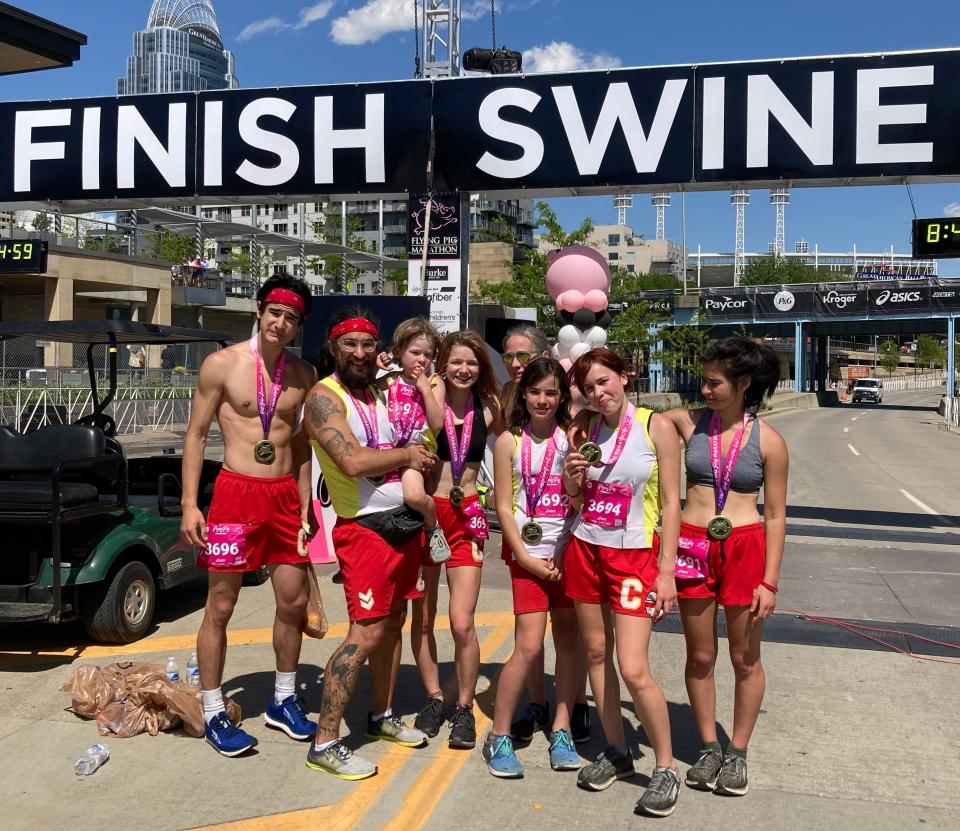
(124, 611)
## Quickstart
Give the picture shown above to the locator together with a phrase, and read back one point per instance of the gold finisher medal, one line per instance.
(457, 495)
(531, 532)
(719, 528)
(591, 452)
(264, 452)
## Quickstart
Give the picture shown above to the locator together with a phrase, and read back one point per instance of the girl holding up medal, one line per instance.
(468, 394)
(623, 475)
(535, 520)
(416, 415)
(730, 454)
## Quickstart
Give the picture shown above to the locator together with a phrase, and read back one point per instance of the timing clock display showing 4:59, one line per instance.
(23, 256)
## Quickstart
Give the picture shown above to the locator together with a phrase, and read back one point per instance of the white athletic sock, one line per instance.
(323, 745)
(284, 686)
(212, 703)
(384, 714)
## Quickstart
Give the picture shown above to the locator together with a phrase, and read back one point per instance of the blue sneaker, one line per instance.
(227, 738)
(497, 752)
(290, 717)
(563, 753)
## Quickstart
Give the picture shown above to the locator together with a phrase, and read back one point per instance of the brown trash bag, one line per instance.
(131, 698)
(315, 623)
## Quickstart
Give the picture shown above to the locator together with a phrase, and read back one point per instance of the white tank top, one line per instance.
(353, 497)
(636, 467)
(556, 530)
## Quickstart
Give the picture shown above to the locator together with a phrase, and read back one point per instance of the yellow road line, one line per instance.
(347, 812)
(173, 643)
(428, 788)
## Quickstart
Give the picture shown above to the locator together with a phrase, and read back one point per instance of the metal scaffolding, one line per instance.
(779, 198)
(621, 202)
(441, 38)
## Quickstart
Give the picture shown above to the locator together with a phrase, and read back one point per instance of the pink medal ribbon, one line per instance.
(534, 486)
(266, 412)
(458, 450)
(370, 425)
(623, 433)
(722, 477)
(404, 410)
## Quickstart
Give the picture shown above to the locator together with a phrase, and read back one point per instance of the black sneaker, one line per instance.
(431, 717)
(660, 797)
(603, 771)
(535, 717)
(580, 723)
(463, 728)
(732, 780)
(703, 775)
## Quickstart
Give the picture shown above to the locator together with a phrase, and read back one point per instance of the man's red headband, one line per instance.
(354, 324)
(287, 298)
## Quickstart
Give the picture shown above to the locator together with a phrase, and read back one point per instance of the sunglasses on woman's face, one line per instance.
(523, 358)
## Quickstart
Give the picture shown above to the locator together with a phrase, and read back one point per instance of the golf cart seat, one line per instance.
(60, 469)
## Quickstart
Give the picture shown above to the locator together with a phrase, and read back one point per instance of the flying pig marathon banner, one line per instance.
(859, 118)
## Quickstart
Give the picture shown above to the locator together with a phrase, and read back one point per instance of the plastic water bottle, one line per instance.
(172, 670)
(193, 670)
(91, 759)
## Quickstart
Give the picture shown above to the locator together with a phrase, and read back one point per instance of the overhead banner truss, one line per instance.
(858, 119)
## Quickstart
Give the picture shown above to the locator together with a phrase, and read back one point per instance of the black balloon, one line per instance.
(565, 316)
(584, 318)
(603, 321)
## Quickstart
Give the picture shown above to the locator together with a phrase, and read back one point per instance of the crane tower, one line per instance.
(441, 38)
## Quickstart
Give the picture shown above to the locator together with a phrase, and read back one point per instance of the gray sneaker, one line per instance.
(732, 780)
(660, 797)
(341, 761)
(439, 548)
(703, 775)
(392, 729)
(603, 771)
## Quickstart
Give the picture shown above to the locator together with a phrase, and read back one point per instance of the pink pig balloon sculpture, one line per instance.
(578, 279)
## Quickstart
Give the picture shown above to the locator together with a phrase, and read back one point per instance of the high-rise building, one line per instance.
(180, 50)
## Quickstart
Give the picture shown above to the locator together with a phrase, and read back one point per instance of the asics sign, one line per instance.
(887, 296)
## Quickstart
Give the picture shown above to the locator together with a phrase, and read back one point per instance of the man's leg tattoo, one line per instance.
(339, 683)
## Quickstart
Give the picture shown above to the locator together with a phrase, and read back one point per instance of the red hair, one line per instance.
(600, 355)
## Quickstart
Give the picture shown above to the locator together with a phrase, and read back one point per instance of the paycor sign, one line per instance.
(805, 120)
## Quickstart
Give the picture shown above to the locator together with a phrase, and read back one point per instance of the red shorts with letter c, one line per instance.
(621, 577)
(257, 519)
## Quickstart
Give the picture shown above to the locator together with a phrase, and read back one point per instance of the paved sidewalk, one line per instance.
(847, 739)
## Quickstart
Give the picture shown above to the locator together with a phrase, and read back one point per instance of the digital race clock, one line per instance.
(22, 256)
(934, 238)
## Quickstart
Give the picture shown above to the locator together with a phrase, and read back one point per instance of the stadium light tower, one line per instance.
(660, 201)
(621, 202)
(441, 38)
(779, 198)
(739, 198)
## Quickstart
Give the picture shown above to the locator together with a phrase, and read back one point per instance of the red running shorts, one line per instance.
(376, 576)
(270, 510)
(621, 577)
(736, 566)
(465, 549)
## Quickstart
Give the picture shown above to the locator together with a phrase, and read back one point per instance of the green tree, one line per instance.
(889, 356)
(236, 262)
(682, 347)
(42, 221)
(772, 271)
(527, 286)
(330, 230)
(930, 352)
(174, 248)
(635, 328)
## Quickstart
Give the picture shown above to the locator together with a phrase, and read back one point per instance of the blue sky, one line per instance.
(287, 42)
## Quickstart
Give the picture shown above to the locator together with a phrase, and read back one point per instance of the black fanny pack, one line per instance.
(397, 526)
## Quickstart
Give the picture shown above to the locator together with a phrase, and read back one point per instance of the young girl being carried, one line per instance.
(416, 415)
(535, 519)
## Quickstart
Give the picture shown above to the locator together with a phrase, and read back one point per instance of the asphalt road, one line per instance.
(873, 527)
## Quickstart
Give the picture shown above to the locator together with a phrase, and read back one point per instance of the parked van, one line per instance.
(868, 389)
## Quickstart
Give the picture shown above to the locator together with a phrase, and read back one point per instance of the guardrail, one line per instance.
(134, 409)
(914, 382)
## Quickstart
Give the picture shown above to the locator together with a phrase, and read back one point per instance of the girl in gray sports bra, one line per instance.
(748, 473)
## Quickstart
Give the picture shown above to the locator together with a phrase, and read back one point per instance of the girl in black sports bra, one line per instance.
(469, 394)
(728, 558)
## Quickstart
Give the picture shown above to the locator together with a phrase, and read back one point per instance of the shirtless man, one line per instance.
(260, 508)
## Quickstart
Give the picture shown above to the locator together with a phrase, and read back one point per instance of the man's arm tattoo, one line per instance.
(319, 409)
(339, 683)
(334, 443)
